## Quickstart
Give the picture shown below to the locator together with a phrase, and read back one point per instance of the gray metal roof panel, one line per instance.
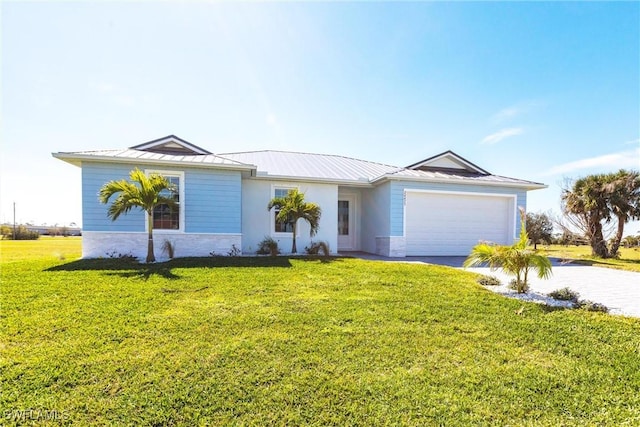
(130, 154)
(309, 165)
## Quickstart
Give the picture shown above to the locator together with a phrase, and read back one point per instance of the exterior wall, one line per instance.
(213, 201)
(212, 206)
(98, 244)
(375, 219)
(357, 212)
(397, 199)
(94, 213)
(257, 220)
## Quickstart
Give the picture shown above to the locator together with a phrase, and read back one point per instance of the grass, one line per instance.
(294, 341)
(629, 258)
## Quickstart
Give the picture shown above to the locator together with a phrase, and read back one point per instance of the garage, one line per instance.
(451, 223)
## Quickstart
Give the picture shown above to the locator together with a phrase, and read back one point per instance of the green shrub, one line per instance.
(316, 248)
(268, 246)
(523, 288)
(234, 251)
(489, 281)
(591, 306)
(565, 294)
(22, 233)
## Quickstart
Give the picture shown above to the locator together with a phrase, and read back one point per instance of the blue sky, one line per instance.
(539, 91)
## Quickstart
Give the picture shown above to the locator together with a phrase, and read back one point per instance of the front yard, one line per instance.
(629, 258)
(291, 341)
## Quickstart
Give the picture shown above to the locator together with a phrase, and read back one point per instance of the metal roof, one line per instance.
(328, 167)
(297, 166)
(308, 165)
(129, 155)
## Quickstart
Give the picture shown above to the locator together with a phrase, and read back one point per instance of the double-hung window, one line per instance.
(166, 217)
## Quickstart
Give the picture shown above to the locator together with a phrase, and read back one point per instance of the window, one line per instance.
(281, 227)
(343, 217)
(164, 216)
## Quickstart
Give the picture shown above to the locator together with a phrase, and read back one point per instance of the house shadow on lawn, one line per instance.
(126, 267)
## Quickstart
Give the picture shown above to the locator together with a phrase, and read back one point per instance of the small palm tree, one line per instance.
(145, 192)
(291, 208)
(516, 259)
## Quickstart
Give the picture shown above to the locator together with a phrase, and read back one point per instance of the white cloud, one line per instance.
(507, 113)
(635, 141)
(620, 160)
(496, 137)
(516, 110)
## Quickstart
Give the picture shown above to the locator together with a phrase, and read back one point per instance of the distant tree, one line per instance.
(514, 259)
(624, 202)
(21, 233)
(291, 208)
(596, 200)
(539, 228)
(631, 241)
(145, 192)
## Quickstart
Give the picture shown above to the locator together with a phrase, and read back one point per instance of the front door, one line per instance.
(346, 224)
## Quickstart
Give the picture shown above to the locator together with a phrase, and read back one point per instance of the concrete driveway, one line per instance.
(617, 289)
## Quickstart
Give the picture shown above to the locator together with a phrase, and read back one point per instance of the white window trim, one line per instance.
(180, 175)
(272, 221)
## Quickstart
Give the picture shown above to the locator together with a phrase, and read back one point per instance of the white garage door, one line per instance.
(451, 224)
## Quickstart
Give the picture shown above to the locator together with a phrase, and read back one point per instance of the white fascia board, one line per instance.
(526, 186)
(77, 159)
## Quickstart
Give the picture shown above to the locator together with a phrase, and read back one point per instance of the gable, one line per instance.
(448, 162)
(171, 145)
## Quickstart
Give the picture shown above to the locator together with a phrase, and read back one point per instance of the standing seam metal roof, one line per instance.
(296, 165)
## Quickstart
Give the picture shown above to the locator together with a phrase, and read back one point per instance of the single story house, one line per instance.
(442, 205)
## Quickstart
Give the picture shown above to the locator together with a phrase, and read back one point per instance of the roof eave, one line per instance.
(77, 159)
(525, 185)
(350, 182)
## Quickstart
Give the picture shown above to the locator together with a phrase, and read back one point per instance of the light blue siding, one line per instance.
(94, 213)
(397, 198)
(213, 201)
(376, 209)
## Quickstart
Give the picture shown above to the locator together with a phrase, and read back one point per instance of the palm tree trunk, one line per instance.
(615, 245)
(150, 256)
(294, 249)
(598, 244)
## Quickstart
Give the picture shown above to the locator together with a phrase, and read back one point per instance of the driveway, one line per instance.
(617, 289)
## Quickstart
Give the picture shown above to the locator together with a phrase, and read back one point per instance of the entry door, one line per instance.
(346, 224)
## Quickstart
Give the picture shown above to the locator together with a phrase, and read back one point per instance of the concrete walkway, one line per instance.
(617, 289)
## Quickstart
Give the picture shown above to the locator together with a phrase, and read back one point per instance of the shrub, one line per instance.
(522, 288)
(169, 248)
(489, 281)
(234, 251)
(22, 233)
(125, 257)
(591, 306)
(268, 246)
(565, 294)
(316, 248)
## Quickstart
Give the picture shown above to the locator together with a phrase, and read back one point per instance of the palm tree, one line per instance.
(597, 199)
(145, 192)
(624, 201)
(516, 259)
(291, 208)
(588, 201)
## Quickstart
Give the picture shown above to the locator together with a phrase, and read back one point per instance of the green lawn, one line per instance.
(286, 341)
(629, 258)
